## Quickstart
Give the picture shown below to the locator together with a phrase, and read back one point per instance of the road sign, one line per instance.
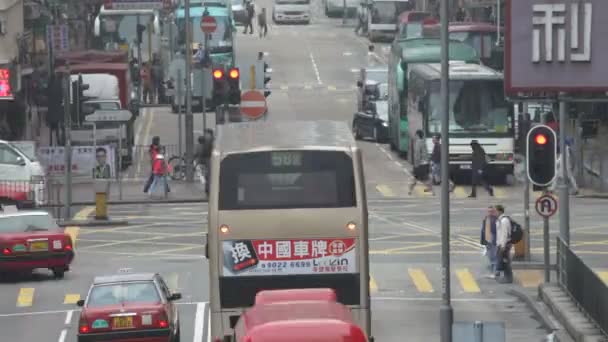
(253, 104)
(135, 4)
(58, 37)
(546, 205)
(208, 24)
(109, 115)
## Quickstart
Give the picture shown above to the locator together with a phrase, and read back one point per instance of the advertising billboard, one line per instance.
(556, 46)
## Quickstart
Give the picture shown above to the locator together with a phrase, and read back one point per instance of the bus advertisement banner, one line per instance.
(288, 257)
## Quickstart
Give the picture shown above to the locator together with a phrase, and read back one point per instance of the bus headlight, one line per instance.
(351, 226)
(224, 229)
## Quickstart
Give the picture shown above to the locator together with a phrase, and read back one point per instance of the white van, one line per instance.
(20, 174)
(291, 11)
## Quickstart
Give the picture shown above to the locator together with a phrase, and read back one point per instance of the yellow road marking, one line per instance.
(419, 191)
(81, 215)
(373, 287)
(413, 246)
(284, 87)
(307, 86)
(604, 276)
(420, 280)
(436, 252)
(71, 298)
(331, 87)
(529, 278)
(174, 250)
(385, 190)
(146, 132)
(467, 281)
(460, 192)
(84, 213)
(500, 193)
(25, 297)
(73, 233)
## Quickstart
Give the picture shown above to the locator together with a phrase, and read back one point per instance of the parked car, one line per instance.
(372, 122)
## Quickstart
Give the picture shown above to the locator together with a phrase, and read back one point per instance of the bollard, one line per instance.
(478, 331)
(102, 190)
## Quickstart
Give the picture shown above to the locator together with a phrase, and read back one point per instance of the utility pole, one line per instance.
(204, 78)
(67, 118)
(345, 12)
(524, 134)
(189, 122)
(564, 195)
(446, 314)
(139, 63)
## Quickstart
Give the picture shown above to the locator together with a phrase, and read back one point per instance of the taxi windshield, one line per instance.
(122, 293)
(26, 223)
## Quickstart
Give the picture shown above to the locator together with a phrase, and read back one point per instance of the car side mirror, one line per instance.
(175, 296)
(80, 302)
(21, 161)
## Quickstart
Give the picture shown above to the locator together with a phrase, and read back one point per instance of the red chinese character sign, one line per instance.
(283, 257)
(5, 84)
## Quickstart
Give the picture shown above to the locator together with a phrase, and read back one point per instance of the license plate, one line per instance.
(465, 166)
(39, 246)
(122, 322)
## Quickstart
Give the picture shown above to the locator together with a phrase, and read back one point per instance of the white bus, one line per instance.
(287, 209)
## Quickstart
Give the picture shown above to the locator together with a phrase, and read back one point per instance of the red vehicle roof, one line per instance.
(413, 16)
(292, 310)
(309, 330)
(471, 27)
(94, 67)
(274, 296)
(89, 56)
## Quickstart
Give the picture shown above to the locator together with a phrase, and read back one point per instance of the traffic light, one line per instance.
(541, 151)
(78, 88)
(234, 86)
(219, 85)
(140, 32)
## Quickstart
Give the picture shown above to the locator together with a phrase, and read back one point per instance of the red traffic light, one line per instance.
(234, 73)
(540, 139)
(218, 74)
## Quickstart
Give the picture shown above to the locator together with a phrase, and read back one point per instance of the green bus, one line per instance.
(404, 53)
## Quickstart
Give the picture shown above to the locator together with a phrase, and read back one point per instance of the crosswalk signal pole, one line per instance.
(189, 122)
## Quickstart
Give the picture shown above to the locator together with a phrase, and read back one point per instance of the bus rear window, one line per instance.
(287, 179)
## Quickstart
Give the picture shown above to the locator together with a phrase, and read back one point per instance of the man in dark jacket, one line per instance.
(250, 7)
(488, 238)
(478, 168)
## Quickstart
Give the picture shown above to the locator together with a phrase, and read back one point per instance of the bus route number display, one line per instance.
(287, 257)
(286, 159)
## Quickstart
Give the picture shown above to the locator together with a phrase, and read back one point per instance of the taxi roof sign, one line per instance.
(109, 115)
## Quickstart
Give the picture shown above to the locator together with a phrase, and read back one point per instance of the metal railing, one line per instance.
(583, 285)
(142, 163)
(32, 194)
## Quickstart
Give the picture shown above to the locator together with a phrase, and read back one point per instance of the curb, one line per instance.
(527, 265)
(168, 201)
(93, 223)
(530, 303)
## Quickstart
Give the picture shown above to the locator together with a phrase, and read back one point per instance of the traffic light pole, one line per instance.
(140, 64)
(527, 257)
(204, 78)
(564, 196)
(189, 122)
(446, 313)
(68, 145)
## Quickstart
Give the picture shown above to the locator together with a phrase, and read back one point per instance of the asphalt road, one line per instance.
(313, 79)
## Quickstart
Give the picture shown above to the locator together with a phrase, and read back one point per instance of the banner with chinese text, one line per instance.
(83, 160)
(286, 257)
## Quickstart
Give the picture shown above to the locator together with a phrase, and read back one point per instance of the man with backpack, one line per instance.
(508, 232)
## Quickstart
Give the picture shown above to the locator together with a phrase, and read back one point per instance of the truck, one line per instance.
(109, 78)
(383, 17)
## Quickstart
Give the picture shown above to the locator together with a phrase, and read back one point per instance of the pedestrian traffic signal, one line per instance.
(234, 86)
(541, 151)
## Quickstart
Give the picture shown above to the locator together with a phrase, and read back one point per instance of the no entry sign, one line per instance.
(253, 104)
(208, 24)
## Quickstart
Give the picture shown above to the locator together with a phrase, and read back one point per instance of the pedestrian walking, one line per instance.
(262, 25)
(420, 164)
(479, 165)
(250, 14)
(488, 239)
(570, 166)
(147, 82)
(371, 56)
(153, 150)
(159, 172)
(362, 20)
(157, 80)
(436, 163)
(503, 246)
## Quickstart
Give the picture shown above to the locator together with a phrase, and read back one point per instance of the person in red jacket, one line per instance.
(153, 151)
(159, 172)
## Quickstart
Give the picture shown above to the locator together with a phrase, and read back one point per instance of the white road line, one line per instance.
(314, 67)
(398, 164)
(209, 326)
(63, 335)
(68, 317)
(199, 322)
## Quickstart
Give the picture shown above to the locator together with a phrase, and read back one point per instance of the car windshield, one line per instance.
(123, 293)
(26, 223)
(386, 12)
(120, 32)
(475, 39)
(411, 30)
(475, 106)
(220, 40)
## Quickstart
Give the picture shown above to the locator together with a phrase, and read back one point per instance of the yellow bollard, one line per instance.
(102, 189)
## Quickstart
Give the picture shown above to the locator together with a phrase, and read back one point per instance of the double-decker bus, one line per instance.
(404, 54)
(287, 210)
(478, 110)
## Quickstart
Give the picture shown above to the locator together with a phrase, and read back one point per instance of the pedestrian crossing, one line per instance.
(401, 189)
(335, 88)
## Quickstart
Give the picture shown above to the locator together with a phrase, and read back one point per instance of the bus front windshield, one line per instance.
(477, 107)
(120, 32)
(220, 41)
(287, 180)
(387, 12)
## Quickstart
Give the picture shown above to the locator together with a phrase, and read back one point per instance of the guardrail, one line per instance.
(583, 285)
(31, 194)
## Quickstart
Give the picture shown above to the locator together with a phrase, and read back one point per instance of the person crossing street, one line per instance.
(262, 25)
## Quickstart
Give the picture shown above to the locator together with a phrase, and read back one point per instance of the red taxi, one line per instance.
(299, 315)
(30, 240)
(129, 308)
